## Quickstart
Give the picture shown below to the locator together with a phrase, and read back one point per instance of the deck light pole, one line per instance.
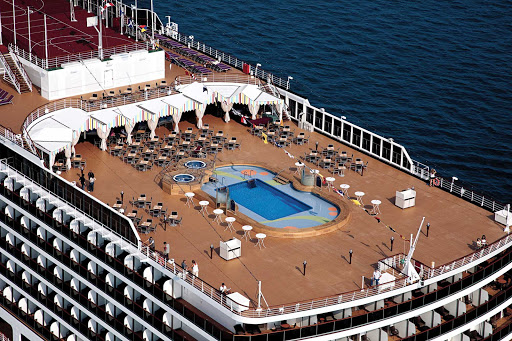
(428, 228)
(454, 178)
(350, 252)
(392, 240)
(256, 70)
(304, 265)
(288, 82)
(211, 251)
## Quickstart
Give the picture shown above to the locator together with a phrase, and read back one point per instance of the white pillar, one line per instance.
(45, 41)
(29, 40)
(14, 21)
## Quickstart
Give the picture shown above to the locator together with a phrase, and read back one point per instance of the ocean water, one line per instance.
(435, 76)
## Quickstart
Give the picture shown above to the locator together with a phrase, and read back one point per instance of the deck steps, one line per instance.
(14, 73)
(281, 180)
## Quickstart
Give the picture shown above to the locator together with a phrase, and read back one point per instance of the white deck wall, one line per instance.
(76, 78)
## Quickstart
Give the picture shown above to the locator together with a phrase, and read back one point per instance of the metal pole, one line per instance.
(100, 37)
(29, 40)
(122, 17)
(136, 24)
(45, 41)
(259, 294)
(14, 22)
(1, 40)
(152, 23)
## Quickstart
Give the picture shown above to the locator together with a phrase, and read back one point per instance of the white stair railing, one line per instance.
(20, 67)
(9, 75)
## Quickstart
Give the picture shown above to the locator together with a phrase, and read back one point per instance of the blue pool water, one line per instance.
(269, 202)
(265, 200)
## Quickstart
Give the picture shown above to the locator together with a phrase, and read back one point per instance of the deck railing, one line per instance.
(219, 78)
(94, 105)
(55, 62)
(333, 300)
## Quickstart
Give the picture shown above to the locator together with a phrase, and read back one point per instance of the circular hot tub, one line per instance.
(183, 178)
(195, 164)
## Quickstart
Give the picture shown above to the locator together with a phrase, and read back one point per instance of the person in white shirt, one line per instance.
(224, 289)
(195, 268)
(376, 276)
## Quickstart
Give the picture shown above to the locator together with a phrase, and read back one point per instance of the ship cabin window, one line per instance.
(356, 136)
(376, 145)
(337, 127)
(293, 108)
(309, 114)
(366, 141)
(347, 132)
(386, 150)
(319, 117)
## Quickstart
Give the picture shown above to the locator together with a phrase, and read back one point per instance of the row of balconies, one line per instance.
(103, 250)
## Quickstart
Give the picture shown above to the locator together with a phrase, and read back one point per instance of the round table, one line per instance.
(217, 213)
(230, 221)
(299, 166)
(247, 232)
(330, 182)
(376, 204)
(204, 206)
(344, 189)
(189, 196)
(359, 196)
(261, 237)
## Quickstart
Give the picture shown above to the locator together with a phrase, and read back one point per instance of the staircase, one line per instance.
(14, 72)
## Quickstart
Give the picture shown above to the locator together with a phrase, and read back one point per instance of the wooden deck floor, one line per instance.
(454, 224)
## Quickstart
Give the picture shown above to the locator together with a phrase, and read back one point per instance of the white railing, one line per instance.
(8, 73)
(230, 60)
(352, 296)
(94, 105)
(470, 195)
(219, 78)
(55, 62)
(20, 68)
(471, 258)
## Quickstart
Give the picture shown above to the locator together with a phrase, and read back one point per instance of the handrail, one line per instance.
(20, 68)
(8, 71)
(322, 302)
(55, 62)
(219, 78)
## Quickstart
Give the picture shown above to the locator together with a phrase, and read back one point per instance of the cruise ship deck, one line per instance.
(454, 223)
(315, 269)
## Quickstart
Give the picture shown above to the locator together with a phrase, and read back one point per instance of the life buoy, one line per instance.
(437, 182)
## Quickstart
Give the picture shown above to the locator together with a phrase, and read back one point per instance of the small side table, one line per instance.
(247, 232)
(344, 189)
(261, 237)
(376, 208)
(218, 213)
(359, 196)
(204, 206)
(189, 196)
(230, 221)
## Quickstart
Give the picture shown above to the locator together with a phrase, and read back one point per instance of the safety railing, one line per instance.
(220, 77)
(303, 306)
(21, 69)
(97, 104)
(9, 75)
(55, 62)
(230, 60)
(451, 186)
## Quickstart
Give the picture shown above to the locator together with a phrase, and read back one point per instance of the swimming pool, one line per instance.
(266, 201)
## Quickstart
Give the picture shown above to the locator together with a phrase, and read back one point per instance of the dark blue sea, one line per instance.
(434, 75)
